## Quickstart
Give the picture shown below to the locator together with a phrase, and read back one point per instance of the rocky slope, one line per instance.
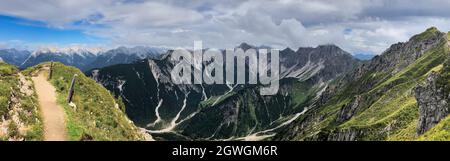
(433, 104)
(216, 112)
(379, 100)
(433, 97)
(19, 111)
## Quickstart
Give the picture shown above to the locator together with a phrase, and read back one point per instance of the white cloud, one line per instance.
(55, 12)
(369, 25)
(17, 44)
(3, 45)
(148, 14)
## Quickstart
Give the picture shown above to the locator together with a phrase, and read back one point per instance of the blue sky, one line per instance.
(14, 29)
(357, 26)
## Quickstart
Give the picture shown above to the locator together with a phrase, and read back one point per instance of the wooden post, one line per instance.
(50, 72)
(71, 90)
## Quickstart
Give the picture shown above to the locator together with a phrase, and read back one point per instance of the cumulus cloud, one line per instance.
(364, 26)
(56, 13)
(148, 14)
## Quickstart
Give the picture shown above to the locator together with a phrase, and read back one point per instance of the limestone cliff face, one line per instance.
(433, 103)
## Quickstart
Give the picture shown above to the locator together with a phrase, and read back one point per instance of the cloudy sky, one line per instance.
(365, 26)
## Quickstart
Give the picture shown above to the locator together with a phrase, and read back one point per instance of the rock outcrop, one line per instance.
(344, 135)
(433, 103)
(349, 110)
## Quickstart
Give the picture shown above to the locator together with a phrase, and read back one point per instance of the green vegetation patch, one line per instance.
(96, 115)
(440, 132)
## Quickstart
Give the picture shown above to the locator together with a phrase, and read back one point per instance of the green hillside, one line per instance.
(94, 114)
(381, 104)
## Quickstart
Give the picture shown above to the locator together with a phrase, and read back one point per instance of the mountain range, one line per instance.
(82, 58)
(14, 56)
(325, 94)
(199, 112)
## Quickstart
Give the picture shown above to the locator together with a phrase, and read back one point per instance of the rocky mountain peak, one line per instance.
(428, 33)
(244, 46)
(398, 56)
(287, 50)
(329, 47)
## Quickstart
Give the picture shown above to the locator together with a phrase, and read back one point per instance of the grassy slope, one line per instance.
(397, 109)
(96, 116)
(7, 81)
(439, 132)
(27, 112)
(394, 114)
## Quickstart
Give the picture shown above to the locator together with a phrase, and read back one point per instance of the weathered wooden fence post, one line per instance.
(71, 90)
(50, 72)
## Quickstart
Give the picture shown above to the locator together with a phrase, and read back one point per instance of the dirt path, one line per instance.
(52, 114)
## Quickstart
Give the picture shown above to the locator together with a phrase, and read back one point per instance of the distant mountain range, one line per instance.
(82, 58)
(13, 56)
(123, 55)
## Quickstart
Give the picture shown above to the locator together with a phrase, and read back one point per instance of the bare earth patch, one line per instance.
(52, 114)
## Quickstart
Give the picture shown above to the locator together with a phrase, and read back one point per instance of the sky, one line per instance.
(357, 26)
